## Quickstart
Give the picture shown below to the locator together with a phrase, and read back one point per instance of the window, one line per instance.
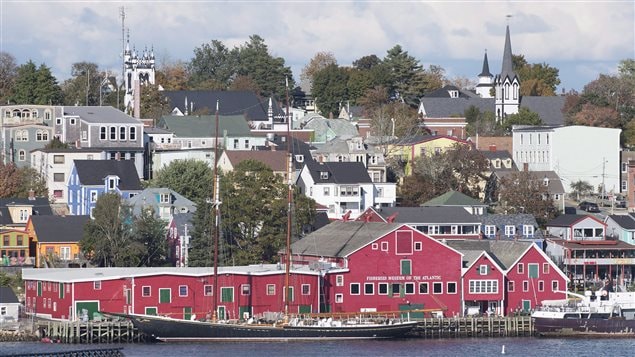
(545, 268)
(483, 286)
(165, 296)
(93, 196)
(483, 269)
(145, 291)
(58, 159)
(102, 133)
(21, 155)
(327, 191)
(369, 289)
(521, 268)
(339, 280)
(73, 121)
(510, 286)
(246, 144)
(208, 290)
(528, 230)
(403, 243)
(437, 288)
(133, 133)
(374, 246)
(182, 290)
(227, 294)
(271, 289)
(554, 285)
(19, 240)
(111, 183)
(97, 285)
(451, 288)
(58, 121)
(382, 288)
(354, 288)
(84, 135)
(245, 289)
(58, 177)
(532, 270)
(510, 231)
(418, 246)
(423, 288)
(384, 246)
(406, 267)
(525, 285)
(306, 289)
(396, 289)
(624, 166)
(624, 185)
(113, 133)
(122, 133)
(541, 285)
(165, 198)
(339, 298)
(410, 288)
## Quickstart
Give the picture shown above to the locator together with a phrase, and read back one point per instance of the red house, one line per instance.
(383, 267)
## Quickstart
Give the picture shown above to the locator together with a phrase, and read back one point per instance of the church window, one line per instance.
(515, 90)
(506, 91)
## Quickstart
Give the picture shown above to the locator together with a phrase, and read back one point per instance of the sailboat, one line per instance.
(348, 326)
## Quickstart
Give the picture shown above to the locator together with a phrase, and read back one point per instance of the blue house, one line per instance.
(91, 178)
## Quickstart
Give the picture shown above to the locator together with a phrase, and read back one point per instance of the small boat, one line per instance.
(603, 314)
(168, 329)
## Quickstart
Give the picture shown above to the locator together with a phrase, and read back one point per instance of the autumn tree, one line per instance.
(8, 75)
(153, 104)
(31, 181)
(523, 117)
(538, 79)
(9, 179)
(172, 76)
(191, 178)
(523, 192)
(319, 61)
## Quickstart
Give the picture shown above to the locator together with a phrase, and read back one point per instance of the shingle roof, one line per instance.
(429, 215)
(624, 220)
(93, 173)
(339, 239)
(554, 186)
(276, 160)
(95, 114)
(516, 220)
(504, 252)
(566, 220)
(417, 139)
(149, 198)
(59, 229)
(453, 198)
(339, 127)
(41, 206)
(244, 103)
(7, 296)
(339, 172)
(204, 126)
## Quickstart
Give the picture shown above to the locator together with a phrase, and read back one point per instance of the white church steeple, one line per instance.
(485, 80)
(138, 68)
(507, 84)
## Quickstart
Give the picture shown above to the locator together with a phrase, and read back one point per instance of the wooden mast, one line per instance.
(216, 230)
(287, 272)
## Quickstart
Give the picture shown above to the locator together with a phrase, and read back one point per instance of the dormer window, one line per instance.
(165, 198)
(324, 175)
(545, 181)
(453, 93)
(299, 158)
(112, 182)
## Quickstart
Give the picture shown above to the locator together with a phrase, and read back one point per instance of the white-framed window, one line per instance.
(113, 133)
(324, 175)
(410, 288)
(208, 290)
(545, 268)
(327, 191)
(437, 287)
(112, 183)
(483, 286)
(424, 288)
(93, 196)
(433, 229)
(521, 268)
(384, 246)
(182, 290)
(339, 298)
(58, 159)
(374, 246)
(528, 230)
(305, 289)
(165, 198)
(418, 246)
(58, 177)
(58, 121)
(97, 285)
(102, 133)
(369, 289)
(490, 230)
(122, 133)
(355, 289)
(382, 288)
(451, 287)
(510, 230)
(624, 185)
(541, 285)
(525, 286)
(146, 291)
(510, 286)
(339, 280)
(554, 285)
(483, 269)
(624, 166)
(73, 121)
(132, 136)
(21, 155)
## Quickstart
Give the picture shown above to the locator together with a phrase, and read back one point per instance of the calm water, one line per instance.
(525, 347)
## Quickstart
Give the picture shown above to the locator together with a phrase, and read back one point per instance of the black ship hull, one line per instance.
(600, 327)
(166, 329)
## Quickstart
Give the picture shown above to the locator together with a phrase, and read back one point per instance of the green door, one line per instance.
(39, 288)
(245, 312)
(221, 313)
(61, 290)
(304, 309)
(151, 311)
(88, 307)
(187, 313)
(526, 305)
(408, 307)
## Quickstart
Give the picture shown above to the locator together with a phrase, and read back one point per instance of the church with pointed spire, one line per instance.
(507, 84)
(139, 69)
(485, 80)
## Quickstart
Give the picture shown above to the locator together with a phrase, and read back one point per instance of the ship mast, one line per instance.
(216, 229)
(287, 254)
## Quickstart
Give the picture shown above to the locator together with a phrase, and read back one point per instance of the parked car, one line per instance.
(589, 206)
(570, 210)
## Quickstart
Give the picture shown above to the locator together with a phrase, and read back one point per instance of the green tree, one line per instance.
(30, 180)
(56, 143)
(8, 75)
(538, 79)
(35, 85)
(403, 69)
(153, 103)
(523, 192)
(191, 178)
(581, 188)
(330, 89)
(212, 67)
(83, 85)
(523, 117)
(108, 238)
(201, 251)
(319, 61)
(150, 235)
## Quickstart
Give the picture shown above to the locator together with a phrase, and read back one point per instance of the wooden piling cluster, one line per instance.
(90, 332)
(513, 326)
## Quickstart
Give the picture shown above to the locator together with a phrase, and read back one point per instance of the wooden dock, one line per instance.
(456, 327)
(90, 332)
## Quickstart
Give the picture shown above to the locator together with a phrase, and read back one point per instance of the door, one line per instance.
(492, 307)
(408, 307)
(526, 305)
(304, 309)
(221, 313)
(86, 309)
(244, 312)
(151, 311)
(187, 313)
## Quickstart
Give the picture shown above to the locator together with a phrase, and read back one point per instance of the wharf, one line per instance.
(513, 326)
(90, 332)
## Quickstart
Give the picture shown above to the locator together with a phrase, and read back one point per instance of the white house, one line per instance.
(575, 153)
(345, 188)
(9, 307)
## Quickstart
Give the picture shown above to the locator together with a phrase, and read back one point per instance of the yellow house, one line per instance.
(14, 247)
(56, 236)
(410, 148)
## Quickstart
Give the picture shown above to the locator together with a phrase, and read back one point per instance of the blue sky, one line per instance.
(580, 38)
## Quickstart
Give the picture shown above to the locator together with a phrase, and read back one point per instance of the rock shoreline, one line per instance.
(17, 336)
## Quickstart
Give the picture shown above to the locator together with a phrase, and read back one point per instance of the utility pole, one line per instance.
(122, 13)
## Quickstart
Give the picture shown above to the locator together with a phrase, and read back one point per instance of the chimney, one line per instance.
(526, 166)
(492, 147)
(31, 195)
(137, 99)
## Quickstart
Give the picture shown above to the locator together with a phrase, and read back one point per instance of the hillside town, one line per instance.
(482, 200)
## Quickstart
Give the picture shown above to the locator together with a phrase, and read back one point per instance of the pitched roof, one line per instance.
(554, 185)
(151, 197)
(276, 160)
(505, 252)
(516, 220)
(59, 229)
(339, 172)
(7, 296)
(104, 114)
(93, 173)
(338, 127)
(507, 69)
(243, 103)
(453, 198)
(566, 220)
(444, 92)
(418, 139)
(340, 239)
(40, 206)
(485, 72)
(625, 221)
(434, 214)
(204, 126)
